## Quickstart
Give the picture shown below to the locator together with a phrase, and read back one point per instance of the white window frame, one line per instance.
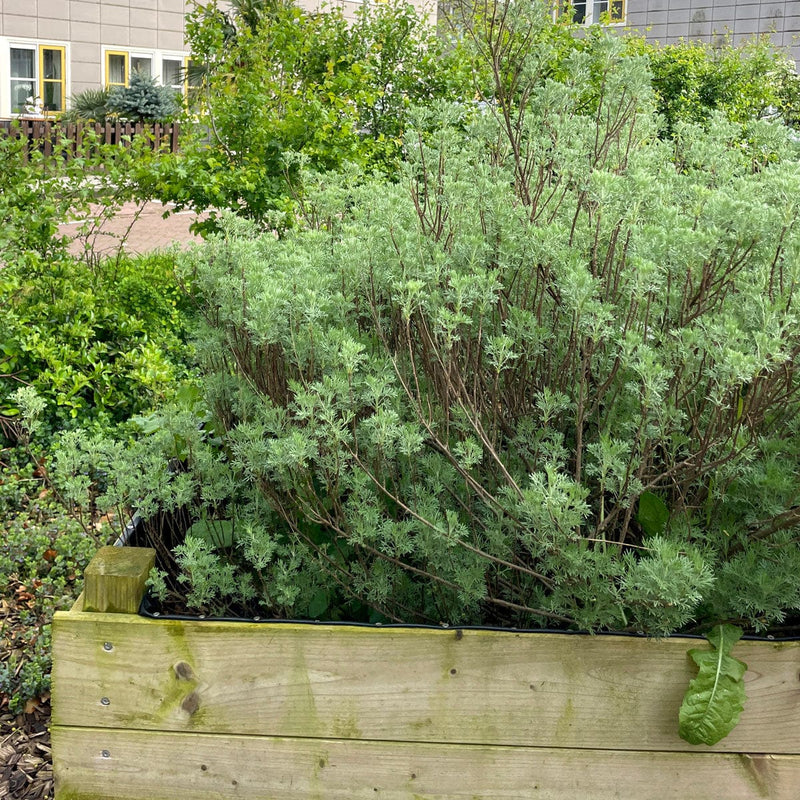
(182, 58)
(562, 8)
(7, 43)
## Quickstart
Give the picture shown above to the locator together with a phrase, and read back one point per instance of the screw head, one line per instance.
(105, 701)
(108, 647)
(105, 754)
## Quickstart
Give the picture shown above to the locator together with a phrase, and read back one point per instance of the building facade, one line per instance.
(52, 49)
(667, 21)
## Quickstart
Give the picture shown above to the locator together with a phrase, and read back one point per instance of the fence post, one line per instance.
(114, 581)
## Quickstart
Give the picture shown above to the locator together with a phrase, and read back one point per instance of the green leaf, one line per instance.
(715, 698)
(217, 533)
(653, 514)
(319, 604)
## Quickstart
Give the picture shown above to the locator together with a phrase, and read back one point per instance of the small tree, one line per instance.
(144, 100)
(284, 81)
(90, 105)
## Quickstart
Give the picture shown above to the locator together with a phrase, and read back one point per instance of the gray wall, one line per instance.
(669, 20)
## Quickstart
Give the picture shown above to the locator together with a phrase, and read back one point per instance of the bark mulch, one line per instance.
(26, 770)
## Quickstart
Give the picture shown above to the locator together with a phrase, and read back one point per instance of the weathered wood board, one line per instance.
(414, 685)
(145, 709)
(96, 764)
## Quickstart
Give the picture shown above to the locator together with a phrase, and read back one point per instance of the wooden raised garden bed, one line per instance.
(165, 710)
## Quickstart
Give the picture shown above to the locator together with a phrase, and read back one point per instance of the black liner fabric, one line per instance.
(149, 609)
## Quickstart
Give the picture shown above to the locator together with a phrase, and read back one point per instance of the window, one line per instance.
(38, 72)
(588, 12)
(172, 73)
(24, 83)
(142, 63)
(116, 68)
(53, 83)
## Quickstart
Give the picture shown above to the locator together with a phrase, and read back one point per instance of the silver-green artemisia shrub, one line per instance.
(549, 376)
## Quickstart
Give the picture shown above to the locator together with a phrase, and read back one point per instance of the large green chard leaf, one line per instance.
(715, 698)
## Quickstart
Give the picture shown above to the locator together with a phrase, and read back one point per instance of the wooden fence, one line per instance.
(46, 134)
(162, 709)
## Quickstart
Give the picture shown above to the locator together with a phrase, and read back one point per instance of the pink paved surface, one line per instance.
(138, 229)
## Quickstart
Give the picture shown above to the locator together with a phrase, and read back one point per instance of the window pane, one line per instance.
(23, 63)
(579, 12)
(52, 96)
(171, 73)
(53, 66)
(142, 64)
(116, 69)
(617, 10)
(600, 8)
(20, 92)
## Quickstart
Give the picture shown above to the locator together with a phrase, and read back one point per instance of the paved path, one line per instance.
(139, 228)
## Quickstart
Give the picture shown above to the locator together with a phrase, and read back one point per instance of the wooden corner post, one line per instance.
(114, 581)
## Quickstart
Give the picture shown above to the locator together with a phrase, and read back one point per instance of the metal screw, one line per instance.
(108, 647)
(105, 754)
(105, 701)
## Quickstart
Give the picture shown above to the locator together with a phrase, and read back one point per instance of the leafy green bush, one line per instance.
(99, 339)
(98, 344)
(288, 81)
(694, 79)
(90, 105)
(547, 376)
(43, 553)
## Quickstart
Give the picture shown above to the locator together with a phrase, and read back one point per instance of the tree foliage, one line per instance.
(98, 338)
(285, 82)
(693, 80)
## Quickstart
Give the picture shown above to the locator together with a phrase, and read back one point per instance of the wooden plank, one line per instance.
(115, 579)
(92, 764)
(486, 687)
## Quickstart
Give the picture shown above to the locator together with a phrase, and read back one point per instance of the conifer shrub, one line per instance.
(549, 376)
(144, 100)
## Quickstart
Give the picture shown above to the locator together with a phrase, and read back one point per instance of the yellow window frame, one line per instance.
(126, 68)
(616, 18)
(62, 81)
